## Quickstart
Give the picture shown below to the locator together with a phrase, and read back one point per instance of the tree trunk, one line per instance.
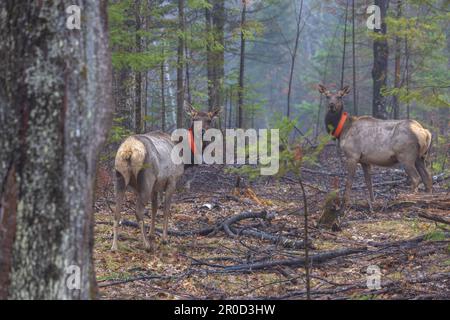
(188, 77)
(344, 46)
(139, 124)
(240, 113)
(397, 81)
(218, 21)
(180, 64)
(209, 58)
(380, 65)
(355, 102)
(163, 97)
(124, 97)
(231, 107)
(408, 108)
(293, 57)
(55, 111)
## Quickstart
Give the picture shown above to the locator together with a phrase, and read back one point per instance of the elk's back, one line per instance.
(382, 142)
(159, 148)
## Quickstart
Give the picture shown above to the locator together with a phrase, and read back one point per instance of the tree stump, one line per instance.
(331, 212)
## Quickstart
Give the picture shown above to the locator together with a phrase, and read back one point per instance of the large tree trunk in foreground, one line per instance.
(55, 109)
(380, 65)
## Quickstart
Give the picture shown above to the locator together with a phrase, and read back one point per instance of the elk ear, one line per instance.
(215, 112)
(344, 91)
(322, 89)
(190, 111)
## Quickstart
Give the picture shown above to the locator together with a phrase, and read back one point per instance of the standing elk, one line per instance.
(371, 141)
(143, 162)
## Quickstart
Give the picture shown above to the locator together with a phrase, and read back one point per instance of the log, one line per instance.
(200, 232)
(314, 259)
(434, 217)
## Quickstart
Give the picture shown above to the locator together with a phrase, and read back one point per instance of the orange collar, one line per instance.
(337, 132)
(191, 140)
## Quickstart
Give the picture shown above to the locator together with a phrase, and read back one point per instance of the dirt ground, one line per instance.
(200, 262)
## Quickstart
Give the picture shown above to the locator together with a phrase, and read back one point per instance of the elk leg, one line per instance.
(368, 178)
(351, 170)
(424, 174)
(167, 199)
(142, 200)
(414, 176)
(120, 194)
(155, 206)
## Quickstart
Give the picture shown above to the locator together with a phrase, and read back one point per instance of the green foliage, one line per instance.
(123, 35)
(118, 132)
(437, 235)
(427, 42)
(293, 151)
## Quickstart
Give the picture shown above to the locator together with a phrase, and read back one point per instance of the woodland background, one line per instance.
(233, 233)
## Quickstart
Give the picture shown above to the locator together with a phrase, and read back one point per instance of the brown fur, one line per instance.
(371, 141)
(143, 163)
(130, 158)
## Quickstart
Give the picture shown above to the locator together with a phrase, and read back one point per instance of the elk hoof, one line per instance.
(114, 247)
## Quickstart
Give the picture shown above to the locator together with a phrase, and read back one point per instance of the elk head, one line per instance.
(206, 118)
(334, 100)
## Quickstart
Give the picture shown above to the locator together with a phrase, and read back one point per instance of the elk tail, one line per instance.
(130, 159)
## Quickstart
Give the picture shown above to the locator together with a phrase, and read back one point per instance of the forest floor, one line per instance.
(205, 260)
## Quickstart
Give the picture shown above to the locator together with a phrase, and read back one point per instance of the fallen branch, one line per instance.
(279, 240)
(434, 217)
(314, 259)
(231, 231)
(201, 232)
(361, 285)
(144, 277)
(328, 255)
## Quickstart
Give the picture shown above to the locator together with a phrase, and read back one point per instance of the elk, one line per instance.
(143, 162)
(205, 118)
(370, 141)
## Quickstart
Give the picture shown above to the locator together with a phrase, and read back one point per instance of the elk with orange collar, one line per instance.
(371, 141)
(143, 162)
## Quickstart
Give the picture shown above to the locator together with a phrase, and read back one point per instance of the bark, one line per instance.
(408, 111)
(218, 21)
(355, 102)
(293, 58)
(188, 56)
(55, 109)
(344, 45)
(163, 97)
(380, 65)
(240, 113)
(215, 21)
(397, 81)
(139, 125)
(231, 107)
(123, 94)
(209, 58)
(180, 64)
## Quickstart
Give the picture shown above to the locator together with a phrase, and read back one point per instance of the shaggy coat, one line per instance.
(371, 141)
(144, 163)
